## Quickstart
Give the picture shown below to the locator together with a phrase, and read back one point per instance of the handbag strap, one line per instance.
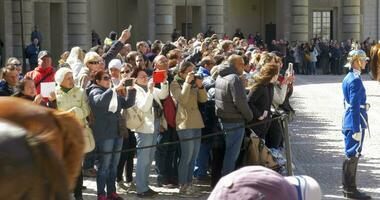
(43, 78)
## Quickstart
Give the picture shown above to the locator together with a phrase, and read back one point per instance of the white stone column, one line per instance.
(351, 19)
(7, 35)
(79, 33)
(300, 21)
(16, 27)
(215, 15)
(164, 13)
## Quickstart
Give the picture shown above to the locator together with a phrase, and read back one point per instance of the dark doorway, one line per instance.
(49, 19)
(270, 33)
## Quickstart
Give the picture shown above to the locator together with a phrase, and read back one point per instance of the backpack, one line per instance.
(170, 111)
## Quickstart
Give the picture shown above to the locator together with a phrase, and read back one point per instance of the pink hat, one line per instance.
(253, 182)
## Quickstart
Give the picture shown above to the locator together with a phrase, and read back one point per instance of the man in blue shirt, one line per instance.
(355, 121)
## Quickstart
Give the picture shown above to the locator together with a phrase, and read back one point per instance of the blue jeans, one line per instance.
(202, 161)
(108, 164)
(234, 139)
(144, 160)
(189, 152)
(145, 157)
(313, 68)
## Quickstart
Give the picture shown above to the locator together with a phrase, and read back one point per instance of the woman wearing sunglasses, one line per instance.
(106, 103)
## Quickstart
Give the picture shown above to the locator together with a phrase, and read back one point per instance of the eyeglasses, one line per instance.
(93, 62)
(125, 72)
(106, 78)
(17, 64)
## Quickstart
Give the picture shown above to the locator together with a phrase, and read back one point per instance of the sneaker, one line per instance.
(131, 186)
(114, 196)
(121, 185)
(147, 194)
(102, 197)
(168, 186)
(89, 172)
(185, 192)
(194, 190)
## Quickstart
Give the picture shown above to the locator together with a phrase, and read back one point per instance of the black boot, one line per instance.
(349, 179)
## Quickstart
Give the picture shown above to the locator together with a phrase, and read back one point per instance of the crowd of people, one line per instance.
(167, 92)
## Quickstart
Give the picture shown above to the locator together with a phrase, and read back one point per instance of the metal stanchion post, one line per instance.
(289, 167)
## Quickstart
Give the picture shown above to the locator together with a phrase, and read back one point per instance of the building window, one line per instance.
(322, 24)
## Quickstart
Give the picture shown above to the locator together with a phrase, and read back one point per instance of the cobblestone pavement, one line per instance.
(317, 142)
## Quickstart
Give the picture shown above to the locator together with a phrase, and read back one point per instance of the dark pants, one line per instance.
(335, 67)
(89, 160)
(297, 68)
(126, 159)
(78, 186)
(33, 66)
(167, 158)
(217, 157)
(274, 137)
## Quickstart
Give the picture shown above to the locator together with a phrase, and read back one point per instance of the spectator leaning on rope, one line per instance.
(106, 104)
(148, 102)
(231, 108)
(187, 92)
(166, 156)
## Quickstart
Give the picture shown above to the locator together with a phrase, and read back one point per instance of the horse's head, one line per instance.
(61, 131)
(375, 62)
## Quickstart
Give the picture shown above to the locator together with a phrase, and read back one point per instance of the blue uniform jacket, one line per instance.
(354, 97)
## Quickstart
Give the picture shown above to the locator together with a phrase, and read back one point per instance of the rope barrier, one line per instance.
(222, 132)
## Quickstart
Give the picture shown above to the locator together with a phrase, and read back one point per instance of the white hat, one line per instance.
(116, 64)
(306, 187)
(60, 74)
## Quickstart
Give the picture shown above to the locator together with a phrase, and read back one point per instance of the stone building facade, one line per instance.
(68, 23)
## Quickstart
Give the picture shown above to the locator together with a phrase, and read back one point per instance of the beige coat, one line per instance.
(188, 115)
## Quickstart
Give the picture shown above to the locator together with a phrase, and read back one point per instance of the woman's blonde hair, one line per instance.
(267, 72)
(91, 56)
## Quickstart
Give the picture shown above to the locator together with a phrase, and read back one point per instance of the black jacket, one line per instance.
(260, 100)
(5, 90)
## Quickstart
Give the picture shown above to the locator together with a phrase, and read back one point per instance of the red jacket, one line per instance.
(38, 73)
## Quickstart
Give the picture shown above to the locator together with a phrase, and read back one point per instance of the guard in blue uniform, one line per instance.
(354, 121)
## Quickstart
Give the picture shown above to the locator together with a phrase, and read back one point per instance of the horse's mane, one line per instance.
(375, 62)
(61, 131)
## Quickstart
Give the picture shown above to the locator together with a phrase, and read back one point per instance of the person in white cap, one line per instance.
(71, 98)
(115, 67)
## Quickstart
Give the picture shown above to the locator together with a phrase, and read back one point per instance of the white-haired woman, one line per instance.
(71, 98)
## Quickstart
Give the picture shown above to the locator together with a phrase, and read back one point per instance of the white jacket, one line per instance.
(144, 102)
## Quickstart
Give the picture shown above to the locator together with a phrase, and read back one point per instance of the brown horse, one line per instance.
(48, 158)
(375, 62)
